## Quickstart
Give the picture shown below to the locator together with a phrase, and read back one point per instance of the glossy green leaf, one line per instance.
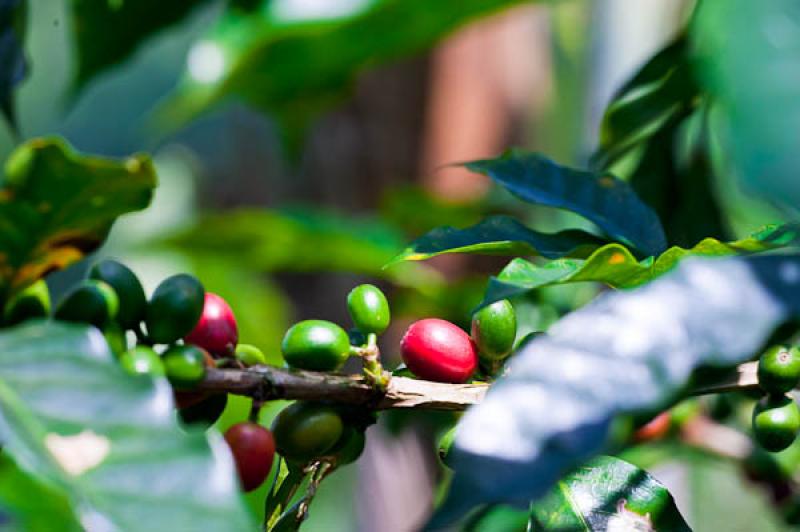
(108, 442)
(663, 88)
(108, 32)
(13, 65)
(607, 494)
(299, 240)
(625, 352)
(294, 66)
(603, 199)
(500, 235)
(615, 266)
(749, 62)
(57, 205)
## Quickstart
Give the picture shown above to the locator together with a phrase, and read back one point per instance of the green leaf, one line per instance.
(500, 235)
(603, 199)
(32, 506)
(615, 266)
(294, 69)
(298, 240)
(13, 66)
(106, 441)
(749, 60)
(108, 32)
(607, 494)
(623, 353)
(57, 205)
(663, 88)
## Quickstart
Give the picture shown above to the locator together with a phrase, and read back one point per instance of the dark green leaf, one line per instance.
(607, 494)
(750, 61)
(615, 266)
(106, 441)
(13, 66)
(294, 69)
(57, 205)
(603, 199)
(500, 235)
(625, 352)
(663, 88)
(108, 32)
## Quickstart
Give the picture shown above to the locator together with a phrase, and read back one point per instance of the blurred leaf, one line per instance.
(661, 89)
(608, 494)
(297, 68)
(498, 519)
(750, 63)
(299, 240)
(675, 176)
(614, 265)
(603, 199)
(32, 506)
(57, 205)
(625, 352)
(108, 32)
(500, 235)
(107, 441)
(417, 211)
(13, 66)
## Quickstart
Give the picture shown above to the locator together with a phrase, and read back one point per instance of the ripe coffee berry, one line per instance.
(438, 350)
(779, 369)
(253, 450)
(216, 332)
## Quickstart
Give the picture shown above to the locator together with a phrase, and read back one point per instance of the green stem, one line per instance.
(281, 494)
(373, 370)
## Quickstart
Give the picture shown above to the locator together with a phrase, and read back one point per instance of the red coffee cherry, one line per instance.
(253, 451)
(438, 350)
(216, 332)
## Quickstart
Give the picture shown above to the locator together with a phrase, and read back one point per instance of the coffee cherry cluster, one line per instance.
(776, 417)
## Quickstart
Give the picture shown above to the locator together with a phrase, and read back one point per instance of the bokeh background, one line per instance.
(283, 212)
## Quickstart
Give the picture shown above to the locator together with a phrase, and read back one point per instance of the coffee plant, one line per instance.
(110, 395)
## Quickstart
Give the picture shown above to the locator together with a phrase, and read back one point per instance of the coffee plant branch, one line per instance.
(268, 382)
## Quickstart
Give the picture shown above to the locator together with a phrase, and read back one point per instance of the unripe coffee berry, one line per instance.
(142, 360)
(306, 431)
(494, 329)
(438, 350)
(30, 303)
(776, 421)
(185, 365)
(250, 355)
(93, 302)
(175, 308)
(369, 309)
(216, 331)
(253, 449)
(779, 369)
(315, 345)
(132, 301)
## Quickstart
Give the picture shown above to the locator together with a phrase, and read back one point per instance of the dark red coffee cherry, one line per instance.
(216, 332)
(253, 449)
(438, 350)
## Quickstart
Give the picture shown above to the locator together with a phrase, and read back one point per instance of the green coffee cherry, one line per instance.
(115, 337)
(776, 421)
(306, 431)
(250, 355)
(142, 360)
(349, 447)
(185, 366)
(316, 345)
(30, 303)
(445, 444)
(368, 309)
(175, 308)
(132, 301)
(494, 329)
(779, 369)
(93, 302)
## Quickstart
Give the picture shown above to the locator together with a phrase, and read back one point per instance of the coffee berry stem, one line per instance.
(370, 354)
